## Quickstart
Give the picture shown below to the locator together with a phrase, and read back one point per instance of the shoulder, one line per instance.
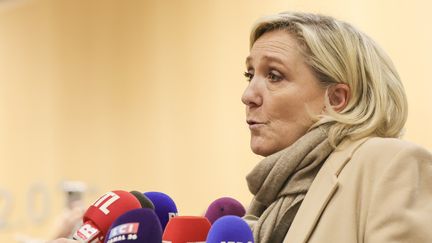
(390, 144)
(396, 179)
(387, 162)
(372, 157)
(391, 149)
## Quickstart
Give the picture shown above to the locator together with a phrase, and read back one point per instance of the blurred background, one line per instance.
(97, 95)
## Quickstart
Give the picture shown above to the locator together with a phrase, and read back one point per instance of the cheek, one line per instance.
(290, 120)
(285, 132)
(287, 109)
(317, 104)
(299, 108)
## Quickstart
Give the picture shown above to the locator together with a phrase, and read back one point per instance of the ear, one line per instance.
(339, 95)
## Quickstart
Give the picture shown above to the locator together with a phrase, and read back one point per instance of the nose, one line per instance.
(252, 96)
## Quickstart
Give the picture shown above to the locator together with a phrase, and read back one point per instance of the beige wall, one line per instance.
(145, 95)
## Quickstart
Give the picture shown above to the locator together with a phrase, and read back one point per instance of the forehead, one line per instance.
(277, 44)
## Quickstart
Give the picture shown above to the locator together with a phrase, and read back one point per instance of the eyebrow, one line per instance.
(267, 58)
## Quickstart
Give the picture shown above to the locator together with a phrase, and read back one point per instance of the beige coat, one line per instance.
(374, 190)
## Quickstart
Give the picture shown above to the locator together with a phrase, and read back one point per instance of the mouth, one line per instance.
(254, 124)
(251, 122)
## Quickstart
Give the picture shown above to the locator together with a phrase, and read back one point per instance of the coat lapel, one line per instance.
(320, 193)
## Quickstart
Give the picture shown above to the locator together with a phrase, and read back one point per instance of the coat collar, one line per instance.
(321, 191)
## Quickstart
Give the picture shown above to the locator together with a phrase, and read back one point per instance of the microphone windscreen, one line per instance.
(165, 207)
(230, 229)
(184, 229)
(224, 206)
(99, 216)
(145, 202)
(135, 226)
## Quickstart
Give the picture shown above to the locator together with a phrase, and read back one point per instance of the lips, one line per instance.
(253, 124)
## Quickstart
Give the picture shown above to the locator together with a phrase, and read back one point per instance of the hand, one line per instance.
(68, 222)
(63, 240)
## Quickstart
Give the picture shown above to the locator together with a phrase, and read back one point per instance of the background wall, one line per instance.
(145, 95)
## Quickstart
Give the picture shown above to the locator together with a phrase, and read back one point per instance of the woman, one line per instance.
(325, 105)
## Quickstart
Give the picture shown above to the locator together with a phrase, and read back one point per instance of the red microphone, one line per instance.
(184, 229)
(99, 216)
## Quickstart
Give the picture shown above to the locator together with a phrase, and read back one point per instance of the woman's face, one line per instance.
(282, 93)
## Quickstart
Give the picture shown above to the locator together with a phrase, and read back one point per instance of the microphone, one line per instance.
(230, 229)
(99, 216)
(136, 226)
(224, 206)
(165, 207)
(145, 201)
(186, 229)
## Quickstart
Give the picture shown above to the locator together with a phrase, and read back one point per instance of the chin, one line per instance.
(266, 149)
(260, 150)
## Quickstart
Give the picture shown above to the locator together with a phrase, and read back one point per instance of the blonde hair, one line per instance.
(339, 53)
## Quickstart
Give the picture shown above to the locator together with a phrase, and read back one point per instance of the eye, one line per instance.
(248, 75)
(274, 76)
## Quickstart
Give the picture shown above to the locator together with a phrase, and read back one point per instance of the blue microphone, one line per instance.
(165, 207)
(138, 225)
(230, 229)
